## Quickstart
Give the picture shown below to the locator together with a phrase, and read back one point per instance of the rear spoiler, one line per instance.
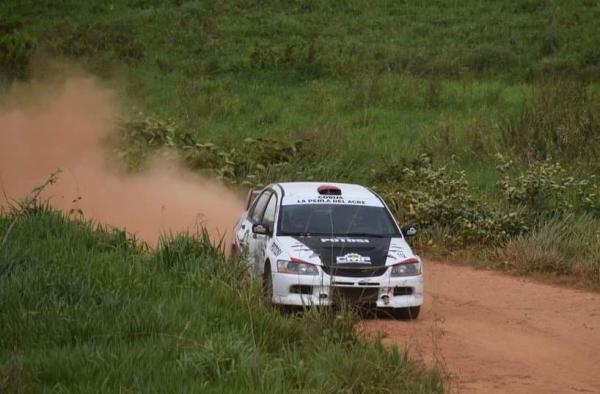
(250, 197)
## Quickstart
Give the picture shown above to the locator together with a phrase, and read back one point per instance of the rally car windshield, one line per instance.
(339, 220)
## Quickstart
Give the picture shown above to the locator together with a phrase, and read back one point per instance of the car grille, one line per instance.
(355, 295)
(354, 272)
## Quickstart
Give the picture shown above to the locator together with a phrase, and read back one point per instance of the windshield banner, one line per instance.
(366, 200)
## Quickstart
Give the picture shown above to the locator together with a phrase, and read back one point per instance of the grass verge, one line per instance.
(87, 309)
(565, 247)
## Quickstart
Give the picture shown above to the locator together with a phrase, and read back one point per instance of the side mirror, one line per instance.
(260, 229)
(409, 230)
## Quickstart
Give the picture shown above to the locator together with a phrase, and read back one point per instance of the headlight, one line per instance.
(408, 267)
(297, 267)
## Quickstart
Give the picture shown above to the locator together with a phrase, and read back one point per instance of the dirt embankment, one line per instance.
(46, 126)
(492, 333)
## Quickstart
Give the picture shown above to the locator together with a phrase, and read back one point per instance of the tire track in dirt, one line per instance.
(493, 333)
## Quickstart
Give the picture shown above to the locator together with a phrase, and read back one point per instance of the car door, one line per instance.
(262, 240)
(254, 241)
(244, 229)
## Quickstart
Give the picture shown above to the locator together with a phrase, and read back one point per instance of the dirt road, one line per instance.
(492, 333)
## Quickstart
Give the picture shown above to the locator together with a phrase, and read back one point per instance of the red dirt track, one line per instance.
(493, 333)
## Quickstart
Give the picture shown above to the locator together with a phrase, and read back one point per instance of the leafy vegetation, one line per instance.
(440, 200)
(16, 50)
(476, 120)
(547, 189)
(89, 309)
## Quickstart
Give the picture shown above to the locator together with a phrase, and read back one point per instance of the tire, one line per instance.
(410, 313)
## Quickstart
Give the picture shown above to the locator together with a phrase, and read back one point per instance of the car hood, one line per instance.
(357, 251)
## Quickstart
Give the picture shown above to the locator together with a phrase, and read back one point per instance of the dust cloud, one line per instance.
(44, 127)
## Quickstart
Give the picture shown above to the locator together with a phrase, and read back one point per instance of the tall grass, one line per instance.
(88, 309)
(558, 121)
(567, 246)
(316, 39)
(363, 85)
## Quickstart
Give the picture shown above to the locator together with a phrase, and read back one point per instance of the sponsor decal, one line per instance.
(328, 249)
(346, 240)
(396, 254)
(276, 250)
(365, 199)
(353, 258)
(329, 200)
(398, 251)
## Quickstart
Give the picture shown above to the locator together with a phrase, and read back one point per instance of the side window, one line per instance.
(251, 197)
(269, 217)
(259, 207)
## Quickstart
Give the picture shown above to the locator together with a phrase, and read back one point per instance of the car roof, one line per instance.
(307, 192)
(295, 188)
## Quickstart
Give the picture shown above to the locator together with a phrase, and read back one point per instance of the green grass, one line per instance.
(384, 75)
(567, 247)
(371, 85)
(439, 38)
(87, 309)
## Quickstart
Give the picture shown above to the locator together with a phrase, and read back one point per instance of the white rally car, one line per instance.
(317, 244)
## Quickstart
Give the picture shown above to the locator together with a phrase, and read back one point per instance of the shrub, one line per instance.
(436, 197)
(15, 53)
(546, 188)
(417, 191)
(245, 163)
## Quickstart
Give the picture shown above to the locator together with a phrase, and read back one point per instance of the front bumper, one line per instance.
(384, 291)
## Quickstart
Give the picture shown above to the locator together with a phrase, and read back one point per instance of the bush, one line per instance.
(436, 197)
(546, 188)
(16, 50)
(247, 162)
